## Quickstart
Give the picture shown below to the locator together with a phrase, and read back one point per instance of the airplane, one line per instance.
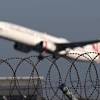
(27, 39)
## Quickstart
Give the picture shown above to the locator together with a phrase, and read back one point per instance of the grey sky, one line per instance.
(73, 19)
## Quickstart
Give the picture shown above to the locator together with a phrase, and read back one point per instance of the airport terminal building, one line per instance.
(21, 88)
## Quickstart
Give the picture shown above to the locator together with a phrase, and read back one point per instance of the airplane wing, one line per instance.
(72, 45)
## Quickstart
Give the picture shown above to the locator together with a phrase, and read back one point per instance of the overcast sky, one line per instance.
(74, 19)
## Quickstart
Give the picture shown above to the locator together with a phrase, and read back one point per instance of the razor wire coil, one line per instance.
(82, 78)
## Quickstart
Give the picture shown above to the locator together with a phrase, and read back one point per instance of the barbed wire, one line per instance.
(81, 77)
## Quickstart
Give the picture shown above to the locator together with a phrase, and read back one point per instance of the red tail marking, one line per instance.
(96, 47)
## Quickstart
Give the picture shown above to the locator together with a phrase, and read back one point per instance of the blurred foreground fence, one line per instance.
(81, 78)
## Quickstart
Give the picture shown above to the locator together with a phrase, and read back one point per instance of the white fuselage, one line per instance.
(27, 36)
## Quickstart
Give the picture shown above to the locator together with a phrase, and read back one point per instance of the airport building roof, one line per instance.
(20, 85)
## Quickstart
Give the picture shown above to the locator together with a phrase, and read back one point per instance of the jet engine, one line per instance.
(22, 47)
